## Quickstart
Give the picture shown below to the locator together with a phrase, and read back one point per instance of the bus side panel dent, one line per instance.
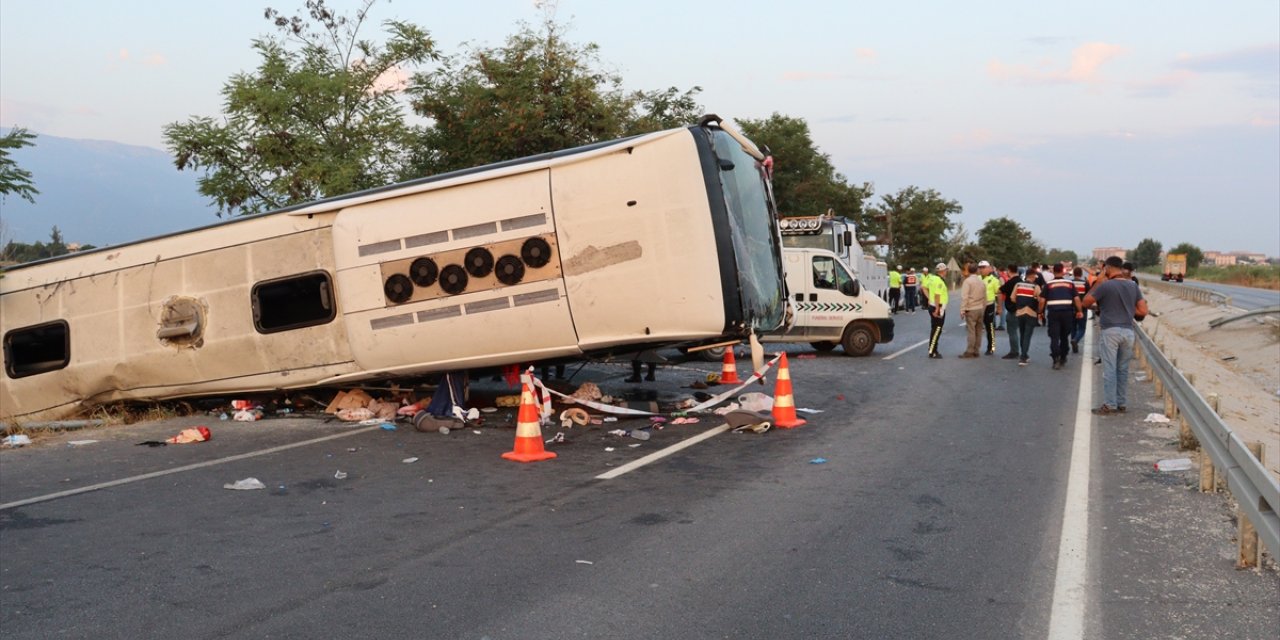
(635, 228)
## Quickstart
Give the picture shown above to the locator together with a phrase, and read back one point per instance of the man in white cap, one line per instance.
(938, 297)
(993, 283)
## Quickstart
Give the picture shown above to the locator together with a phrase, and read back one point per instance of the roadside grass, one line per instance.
(1260, 276)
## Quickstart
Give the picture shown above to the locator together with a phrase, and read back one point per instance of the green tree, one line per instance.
(1008, 242)
(920, 220)
(538, 92)
(1146, 254)
(1055, 255)
(15, 179)
(804, 180)
(1194, 255)
(319, 117)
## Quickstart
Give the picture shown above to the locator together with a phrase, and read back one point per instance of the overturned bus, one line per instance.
(660, 239)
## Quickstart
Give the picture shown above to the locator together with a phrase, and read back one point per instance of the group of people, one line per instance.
(1061, 302)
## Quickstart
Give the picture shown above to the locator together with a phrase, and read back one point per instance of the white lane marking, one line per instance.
(660, 454)
(190, 467)
(1066, 619)
(898, 353)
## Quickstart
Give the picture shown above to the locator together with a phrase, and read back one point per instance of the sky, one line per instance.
(1092, 123)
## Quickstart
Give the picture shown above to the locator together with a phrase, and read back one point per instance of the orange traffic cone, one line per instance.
(528, 432)
(784, 404)
(729, 370)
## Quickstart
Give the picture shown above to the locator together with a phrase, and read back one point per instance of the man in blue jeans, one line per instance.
(1120, 303)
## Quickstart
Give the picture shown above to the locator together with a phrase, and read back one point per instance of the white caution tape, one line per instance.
(624, 411)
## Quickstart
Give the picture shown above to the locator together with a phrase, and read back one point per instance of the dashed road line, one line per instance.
(662, 453)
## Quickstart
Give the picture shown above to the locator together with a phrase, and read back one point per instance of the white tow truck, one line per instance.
(836, 234)
(831, 306)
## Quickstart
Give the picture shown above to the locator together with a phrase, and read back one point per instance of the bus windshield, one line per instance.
(754, 230)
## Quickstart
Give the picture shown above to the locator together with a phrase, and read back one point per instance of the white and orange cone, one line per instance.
(729, 370)
(784, 403)
(528, 431)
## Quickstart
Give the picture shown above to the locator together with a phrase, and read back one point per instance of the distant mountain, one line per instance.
(102, 193)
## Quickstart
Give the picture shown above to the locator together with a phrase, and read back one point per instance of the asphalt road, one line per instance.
(936, 514)
(1246, 298)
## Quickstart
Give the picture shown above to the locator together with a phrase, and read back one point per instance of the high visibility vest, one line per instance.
(895, 279)
(1059, 294)
(1024, 295)
(937, 286)
(993, 287)
(911, 280)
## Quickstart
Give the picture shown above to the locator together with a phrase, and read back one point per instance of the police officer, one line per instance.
(1025, 294)
(910, 284)
(936, 289)
(992, 282)
(895, 288)
(1060, 304)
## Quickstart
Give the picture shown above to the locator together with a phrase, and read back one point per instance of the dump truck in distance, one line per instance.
(1175, 267)
(663, 239)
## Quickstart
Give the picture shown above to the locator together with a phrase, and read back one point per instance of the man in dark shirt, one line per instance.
(1010, 310)
(1060, 306)
(1119, 302)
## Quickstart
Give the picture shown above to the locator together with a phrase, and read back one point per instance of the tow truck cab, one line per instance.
(831, 306)
(837, 235)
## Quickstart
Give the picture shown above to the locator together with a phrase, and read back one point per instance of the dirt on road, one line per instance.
(1239, 361)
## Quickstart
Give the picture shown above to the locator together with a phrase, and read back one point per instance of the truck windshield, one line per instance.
(754, 230)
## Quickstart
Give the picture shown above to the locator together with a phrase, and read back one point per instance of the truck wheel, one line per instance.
(706, 355)
(858, 340)
(825, 345)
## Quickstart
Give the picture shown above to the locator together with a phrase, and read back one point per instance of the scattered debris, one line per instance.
(194, 434)
(1228, 358)
(610, 419)
(359, 414)
(755, 401)
(639, 434)
(387, 426)
(1158, 418)
(685, 421)
(80, 443)
(488, 409)
(1174, 464)
(806, 356)
(570, 417)
(409, 460)
(725, 410)
(17, 440)
(584, 562)
(818, 461)
(248, 415)
(634, 445)
(588, 391)
(558, 437)
(339, 475)
(248, 484)
(608, 448)
(508, 401)
(809, 411)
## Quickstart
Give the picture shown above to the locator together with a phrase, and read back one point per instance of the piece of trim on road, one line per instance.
(190, 467)
(898, 353)
(1067, 615)
(662, 453)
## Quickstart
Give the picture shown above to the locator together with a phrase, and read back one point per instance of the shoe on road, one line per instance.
(936, 356)
(1105, 410)
(1022, 362)
(1009, 356)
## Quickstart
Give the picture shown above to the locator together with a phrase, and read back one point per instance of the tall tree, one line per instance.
(1146, 254)
(1055, 255)
(319, 117)
(536, 93)
(1008, 242)
(1194, 255)
(804, 180)
(920, 221)
(14, 179)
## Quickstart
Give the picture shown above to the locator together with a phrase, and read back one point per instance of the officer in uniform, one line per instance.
(936, 289)
(1025, 294)
(992, 282)
(1060, 304)
(910, 284)
(895, 288)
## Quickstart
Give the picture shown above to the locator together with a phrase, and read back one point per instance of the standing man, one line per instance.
(1026, 301)
(973, 305)
(909, 291)
(992, 285)
(1082, 287)
(1004, 276)
(1119, 303)
(936, 289)
(895, 288)
(1058, 302)
(1010, 311)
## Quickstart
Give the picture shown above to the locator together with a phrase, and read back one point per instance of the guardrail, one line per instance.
(1224, 455)
(1188, 291)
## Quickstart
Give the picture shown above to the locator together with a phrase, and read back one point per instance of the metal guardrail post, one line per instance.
(1255, 490)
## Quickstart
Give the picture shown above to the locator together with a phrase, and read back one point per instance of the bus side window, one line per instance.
(36, 349)
(293, 302)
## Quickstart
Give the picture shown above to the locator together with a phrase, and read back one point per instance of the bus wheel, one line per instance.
(825, 345)
(710, 355)
(858, 340)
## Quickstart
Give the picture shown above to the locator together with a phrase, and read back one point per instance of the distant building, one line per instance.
(1223, 260)
(1102, 253)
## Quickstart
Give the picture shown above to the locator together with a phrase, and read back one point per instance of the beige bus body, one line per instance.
(619, 248)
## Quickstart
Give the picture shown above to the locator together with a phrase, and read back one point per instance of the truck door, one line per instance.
(831, 299)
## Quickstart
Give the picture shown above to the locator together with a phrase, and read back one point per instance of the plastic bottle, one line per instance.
(639, 434)
(1174, 464)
